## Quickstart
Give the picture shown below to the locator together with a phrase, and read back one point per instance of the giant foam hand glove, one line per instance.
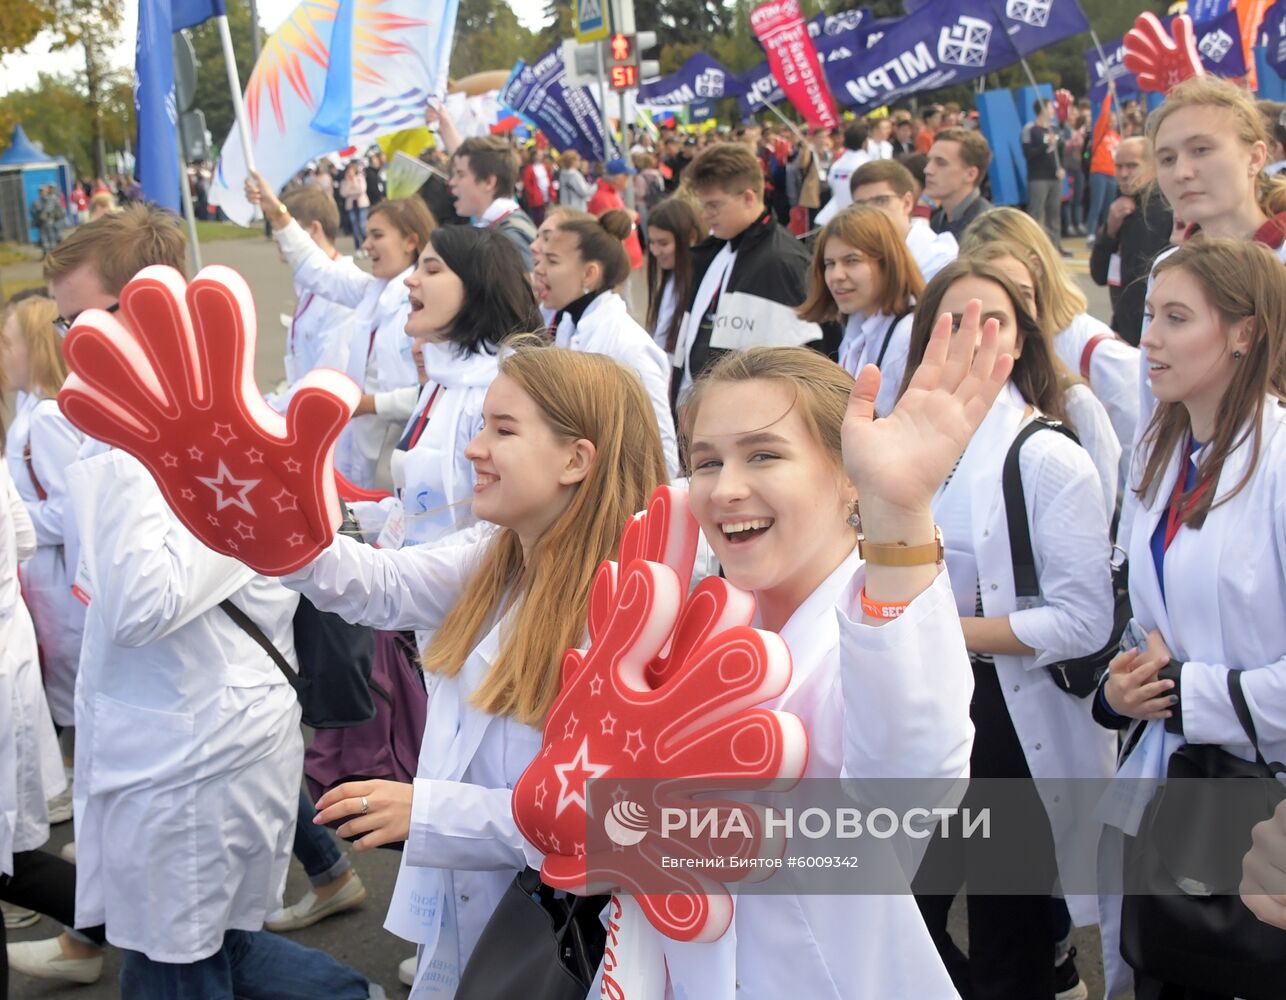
(173, 385)
(1156, 59)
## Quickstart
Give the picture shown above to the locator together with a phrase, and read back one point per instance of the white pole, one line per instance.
(789, 124)
(234, 86)
(189, 213)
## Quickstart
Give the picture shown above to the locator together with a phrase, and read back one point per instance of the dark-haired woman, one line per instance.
(581, 262)
(1025, 726)
(379, 357)
(455, 350)
(1207, 544)
(673, 229)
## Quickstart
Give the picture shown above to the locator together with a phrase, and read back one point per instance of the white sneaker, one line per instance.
(17, 917)
(406, 971)
(68, 851)
(45, 960)
(310, 909)
(60, 807)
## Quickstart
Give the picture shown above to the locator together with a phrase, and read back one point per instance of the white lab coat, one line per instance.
(863, 338)
(188, 748)
(1094, 429)
(1224, 587)
(435, 474)
(932, 251)
(319, 336)
(464, 847)
(380, 310)
(1113, 373)
(878, 703)
(59, 618)
(606, 327)
(1068, 526)
(31, 770)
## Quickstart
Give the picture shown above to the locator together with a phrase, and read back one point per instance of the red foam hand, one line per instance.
(350, 492)
(1157, 60)
(695, 731)
(171, 381)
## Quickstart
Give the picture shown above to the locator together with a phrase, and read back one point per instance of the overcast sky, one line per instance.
(20, 70)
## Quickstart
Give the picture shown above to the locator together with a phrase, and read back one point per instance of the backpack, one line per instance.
(656, 192)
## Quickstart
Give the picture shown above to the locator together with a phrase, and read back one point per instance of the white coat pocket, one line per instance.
(136, 746)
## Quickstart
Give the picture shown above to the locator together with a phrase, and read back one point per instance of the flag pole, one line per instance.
(788, 123)
(234, 86)
(1111, 83)
(189, 213)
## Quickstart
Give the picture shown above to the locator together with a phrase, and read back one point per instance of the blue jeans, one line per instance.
(1101, 187)
(315, 847)
(250, 966)
(357, 219)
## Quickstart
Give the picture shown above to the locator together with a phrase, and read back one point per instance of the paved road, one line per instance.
(358, 938)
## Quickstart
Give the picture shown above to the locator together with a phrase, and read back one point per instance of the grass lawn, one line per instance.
(209, 231)
(17, 253)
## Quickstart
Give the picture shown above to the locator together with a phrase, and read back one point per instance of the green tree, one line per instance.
(21, 21)
(488, 36)
(56, 116)
(212, 95)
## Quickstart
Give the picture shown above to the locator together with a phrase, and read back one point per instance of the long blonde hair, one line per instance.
(1241, 280)
(580, 395)
(1240, 111)
(1057, 297)
(46, 369)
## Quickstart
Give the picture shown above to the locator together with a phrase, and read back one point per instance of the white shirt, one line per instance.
(319, 336)
(838, 178)
(865, 339)
(606, 327)
(665, 312)
(932, 251)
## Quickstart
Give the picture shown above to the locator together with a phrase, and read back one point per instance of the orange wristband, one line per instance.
(874, 609)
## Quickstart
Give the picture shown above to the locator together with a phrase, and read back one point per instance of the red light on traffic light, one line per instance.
(620, 47)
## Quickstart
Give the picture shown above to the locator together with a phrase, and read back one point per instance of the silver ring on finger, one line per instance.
(366, 805)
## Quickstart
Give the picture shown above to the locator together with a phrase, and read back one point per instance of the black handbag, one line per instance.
(1182, 921)
(333, 681)
(1079, 676)
(538, 945)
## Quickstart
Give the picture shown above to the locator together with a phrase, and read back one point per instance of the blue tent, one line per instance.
(24, 169)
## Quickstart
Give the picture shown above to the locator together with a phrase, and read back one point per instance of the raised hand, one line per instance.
(897, 463)
(1156, 59)
(171, 381)
(689, 727)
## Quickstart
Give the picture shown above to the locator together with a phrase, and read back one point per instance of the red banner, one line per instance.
(779, 26)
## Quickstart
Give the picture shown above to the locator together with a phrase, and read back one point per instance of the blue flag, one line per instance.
(1207, 10)
(154, 105)
(701, 78)
(1272, 34)
(190, 13)
(336, 111)
(568, 115)
(1034, 24)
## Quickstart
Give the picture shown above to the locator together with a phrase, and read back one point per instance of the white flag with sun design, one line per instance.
(390, 57)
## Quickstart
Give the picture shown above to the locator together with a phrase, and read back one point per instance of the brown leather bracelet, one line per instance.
(901, 554)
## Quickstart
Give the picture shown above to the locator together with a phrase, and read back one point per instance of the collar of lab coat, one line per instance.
(443, 364)
(813, 630)
(605, 310)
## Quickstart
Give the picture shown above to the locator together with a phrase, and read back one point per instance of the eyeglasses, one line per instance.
(62, 326)
(875, 201)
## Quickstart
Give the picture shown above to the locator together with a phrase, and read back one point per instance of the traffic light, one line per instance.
(621, 57)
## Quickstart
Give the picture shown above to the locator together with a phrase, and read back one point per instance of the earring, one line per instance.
(854, 517)
(584, 289)
(1236, 355)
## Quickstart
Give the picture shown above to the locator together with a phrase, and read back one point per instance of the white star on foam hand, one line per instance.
(228, 490)
(595, 684)
(608, 723)
(573, 775)
(223, 433)
(542, 790)
(569, 730)
(285, 501)
(634, 736)
(170, 460)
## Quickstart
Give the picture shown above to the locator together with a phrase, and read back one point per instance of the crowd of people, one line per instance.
(849, 412)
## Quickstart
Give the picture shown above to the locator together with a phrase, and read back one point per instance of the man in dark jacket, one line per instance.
(958, 162)
(375, 177)
(1138, 227)
(750, 275)
(1043, 151)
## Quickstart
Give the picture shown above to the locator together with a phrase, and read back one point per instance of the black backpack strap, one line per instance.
(1239, 705)
(1020, 550)
(247, 625)
(888, 335)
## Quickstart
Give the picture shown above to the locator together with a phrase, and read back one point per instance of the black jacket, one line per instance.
(769, 280)
(1143, 235)
(1043, 161)
(956, 227)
